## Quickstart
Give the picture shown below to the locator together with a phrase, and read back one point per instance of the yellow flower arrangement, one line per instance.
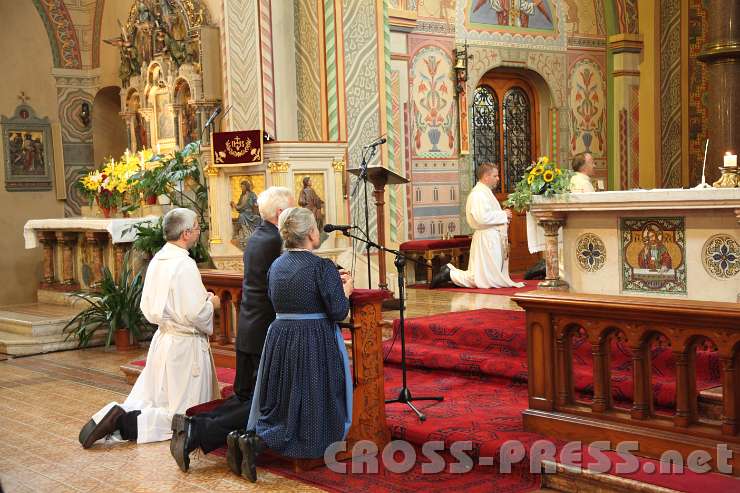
(542, 178)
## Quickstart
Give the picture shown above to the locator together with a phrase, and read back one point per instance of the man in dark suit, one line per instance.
(208, 431)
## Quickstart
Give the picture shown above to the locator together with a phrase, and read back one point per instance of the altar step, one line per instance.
(35, 328)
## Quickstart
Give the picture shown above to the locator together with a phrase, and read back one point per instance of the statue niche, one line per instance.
(160, 72)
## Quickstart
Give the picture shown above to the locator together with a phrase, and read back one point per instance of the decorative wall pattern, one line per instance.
(65, 48)
(308, 76)
(268, 83)
(587, 102)
(243, 84)
(653, 255)
(627, 16)
(698, 87)
(633, 130)
(670, 93)
(330, 45)
(720, 256)
(433, 103)
(590, 252)
(361, 76)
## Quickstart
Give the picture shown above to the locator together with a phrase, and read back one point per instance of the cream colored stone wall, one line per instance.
(25, 66)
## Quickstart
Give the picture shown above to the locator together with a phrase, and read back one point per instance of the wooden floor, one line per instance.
(45, 400)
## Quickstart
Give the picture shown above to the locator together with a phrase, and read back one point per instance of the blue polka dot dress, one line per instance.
(302, 402)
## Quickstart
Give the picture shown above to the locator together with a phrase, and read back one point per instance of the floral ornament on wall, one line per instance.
(590, 252)
(721, 256)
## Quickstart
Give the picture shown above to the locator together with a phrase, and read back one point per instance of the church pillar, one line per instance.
(721, 53)
(278, 174)
(48, 240)
(339, 188)
(551, 223)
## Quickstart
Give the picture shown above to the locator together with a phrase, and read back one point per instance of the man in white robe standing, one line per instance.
(488, 266)
(179, 371)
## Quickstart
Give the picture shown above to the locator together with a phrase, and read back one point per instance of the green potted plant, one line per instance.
(542, 178)
(114, 308)
(150, 239)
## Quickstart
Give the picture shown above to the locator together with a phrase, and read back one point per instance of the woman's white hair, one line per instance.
(177, 221)
(295, 224)
(271, 200)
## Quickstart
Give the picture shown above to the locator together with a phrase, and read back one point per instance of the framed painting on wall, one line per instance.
(28, 151)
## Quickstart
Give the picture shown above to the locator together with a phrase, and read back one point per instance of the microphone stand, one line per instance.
(363, 176)
(404, 396)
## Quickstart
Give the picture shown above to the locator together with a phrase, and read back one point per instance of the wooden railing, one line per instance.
(553, 319)
(227, 285)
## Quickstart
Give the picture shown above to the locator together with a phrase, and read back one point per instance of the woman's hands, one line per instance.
(348, 284)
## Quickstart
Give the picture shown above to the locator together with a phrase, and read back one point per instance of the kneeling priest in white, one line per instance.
(488, 266)
(179, 371)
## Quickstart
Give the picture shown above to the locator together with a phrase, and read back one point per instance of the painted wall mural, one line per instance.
(653, 255)
(587, 101)
(433, 104)
(510, 13)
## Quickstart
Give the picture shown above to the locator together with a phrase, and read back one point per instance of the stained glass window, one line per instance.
(517, 135)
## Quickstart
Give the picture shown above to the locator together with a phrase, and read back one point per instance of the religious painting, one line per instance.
(518, 14)
(437, 9)
(28, 151)
(244, 212)
(653, 255)
(587, 108)
(240, 147)
(433, 105)
(165, 118)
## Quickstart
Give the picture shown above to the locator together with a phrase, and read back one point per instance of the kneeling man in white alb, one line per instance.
(488, 266)
(179, 371)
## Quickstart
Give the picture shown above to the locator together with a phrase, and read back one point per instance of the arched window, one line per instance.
(486, 136)
(517, 135)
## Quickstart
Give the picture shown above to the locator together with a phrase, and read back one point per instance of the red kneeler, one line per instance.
(436, 253)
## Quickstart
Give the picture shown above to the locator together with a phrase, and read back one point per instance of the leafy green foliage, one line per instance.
(150, 239)
(113, 305)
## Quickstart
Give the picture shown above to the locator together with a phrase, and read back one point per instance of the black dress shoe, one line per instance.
(250, 446)
(442, 277)
(233, 452)
(180, 442)
(92, 432)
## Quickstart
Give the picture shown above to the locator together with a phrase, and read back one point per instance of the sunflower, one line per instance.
(545, 159)
(558, 171)
(548, 176)
(530, 179)
(538, 170)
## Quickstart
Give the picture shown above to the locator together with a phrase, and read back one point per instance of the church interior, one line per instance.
(619, 322)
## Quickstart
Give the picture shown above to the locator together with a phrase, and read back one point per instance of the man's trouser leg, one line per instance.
(210, 429)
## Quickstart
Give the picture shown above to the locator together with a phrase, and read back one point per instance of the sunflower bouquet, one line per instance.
(542, 178)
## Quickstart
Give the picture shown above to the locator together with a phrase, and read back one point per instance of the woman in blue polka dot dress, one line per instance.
(303, 399)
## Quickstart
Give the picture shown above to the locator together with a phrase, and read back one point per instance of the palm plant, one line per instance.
(112, 306)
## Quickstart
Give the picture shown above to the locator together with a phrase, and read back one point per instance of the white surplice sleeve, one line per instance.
(191, 303)
(485, 214)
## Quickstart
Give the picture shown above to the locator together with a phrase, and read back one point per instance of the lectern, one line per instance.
(380, 177)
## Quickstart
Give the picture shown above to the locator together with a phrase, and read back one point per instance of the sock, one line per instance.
(127, 425)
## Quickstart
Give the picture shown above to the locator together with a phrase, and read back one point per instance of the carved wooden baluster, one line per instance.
(684, 393)
(67, 242)
(564, 390)
(642, 391)
(601, 377)
(237, 305)
(225, 318)
(48, 240)
(730, 395)
(97, 241)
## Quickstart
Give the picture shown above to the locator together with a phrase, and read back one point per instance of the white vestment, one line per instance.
(488, 266)
(179, 371)
(581, 183)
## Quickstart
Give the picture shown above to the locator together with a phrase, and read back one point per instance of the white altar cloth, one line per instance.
(118, 229)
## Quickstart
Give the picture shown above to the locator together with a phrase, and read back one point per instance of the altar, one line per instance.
(682, 244)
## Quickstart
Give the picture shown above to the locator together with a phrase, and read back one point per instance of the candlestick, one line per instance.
(730, 160)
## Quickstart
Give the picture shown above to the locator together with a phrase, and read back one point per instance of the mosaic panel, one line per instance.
(590, 252)
(653, 255)
(720, 256)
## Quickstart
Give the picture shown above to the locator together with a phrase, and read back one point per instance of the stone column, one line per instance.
(48, 241)
(97, 242)
(721, 53)
(278, 173)
(68, 242)
(214, 235)
(551, 223)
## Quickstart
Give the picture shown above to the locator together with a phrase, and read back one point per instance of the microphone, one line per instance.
(328, 228)
(377, 142)
(213, 116)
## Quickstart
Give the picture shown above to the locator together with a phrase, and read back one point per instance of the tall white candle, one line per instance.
(159, 151)
(730, 160)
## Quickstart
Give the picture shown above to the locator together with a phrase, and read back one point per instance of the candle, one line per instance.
(730, 160)
(159, 151)
(127, 153)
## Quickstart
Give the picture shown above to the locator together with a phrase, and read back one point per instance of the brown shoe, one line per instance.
(181, 437)
(92, 432)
